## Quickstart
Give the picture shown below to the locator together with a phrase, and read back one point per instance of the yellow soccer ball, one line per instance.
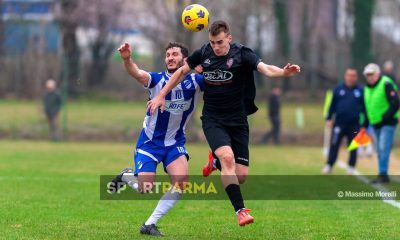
(195, 17)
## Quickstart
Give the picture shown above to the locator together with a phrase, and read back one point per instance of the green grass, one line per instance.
(25, 118)
(21, 116)
(117, 118)
(51, 191)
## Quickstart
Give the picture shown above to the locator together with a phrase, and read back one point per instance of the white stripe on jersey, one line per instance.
(168, 128)
(149, 123)
(196, 99)
(175, 119)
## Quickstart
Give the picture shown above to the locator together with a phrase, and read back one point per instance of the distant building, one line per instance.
(30, 23)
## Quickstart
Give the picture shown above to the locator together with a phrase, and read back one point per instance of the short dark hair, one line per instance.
(184, 50)
(351, 67)
(217, 27)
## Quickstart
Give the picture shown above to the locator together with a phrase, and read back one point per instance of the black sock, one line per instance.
(218, 164)
(234, 194)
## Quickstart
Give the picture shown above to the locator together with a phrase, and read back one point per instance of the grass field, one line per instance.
(51, 191)
(26, 117)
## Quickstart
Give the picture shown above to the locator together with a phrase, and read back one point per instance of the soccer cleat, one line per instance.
(150, 230)
(327, 170)
(244, 217)
(381, 179)
(117, 182)
(209, 167)
(351, 171)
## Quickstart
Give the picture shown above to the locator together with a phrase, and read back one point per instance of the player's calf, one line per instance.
(241, 178)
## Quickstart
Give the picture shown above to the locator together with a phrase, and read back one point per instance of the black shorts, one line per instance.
(228, 133)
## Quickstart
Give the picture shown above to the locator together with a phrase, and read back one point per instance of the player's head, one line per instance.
(350, 77)
(276, 91)
(220, 37)
(372, 73)
(175, 53)
(388, 66)
(51, 85)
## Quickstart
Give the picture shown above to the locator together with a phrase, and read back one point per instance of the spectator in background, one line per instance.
(52, 106)
(382, 105)
(346, 107)
(274, 116)
(388, 70)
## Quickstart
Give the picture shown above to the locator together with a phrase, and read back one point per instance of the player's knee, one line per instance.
(179, 181)
(179, 178)
(227, 159)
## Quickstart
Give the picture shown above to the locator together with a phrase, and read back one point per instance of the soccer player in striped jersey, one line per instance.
(162, 138)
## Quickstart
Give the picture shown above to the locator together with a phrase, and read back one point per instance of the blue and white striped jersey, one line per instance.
(168, 128)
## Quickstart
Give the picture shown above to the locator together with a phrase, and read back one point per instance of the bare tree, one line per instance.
(102, 15)
(322, 33)
(385, 35)
(160, 21)
(312, 34)
(68, 21)
(153, 18)
(1, 29)
(283, 45)
(297, 19)
(362, 42)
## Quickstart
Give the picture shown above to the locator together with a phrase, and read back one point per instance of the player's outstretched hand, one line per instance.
(291, 70)
(155, 103)
(199, 69)
(125, 51)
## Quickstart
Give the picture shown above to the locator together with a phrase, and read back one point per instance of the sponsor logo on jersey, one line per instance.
(187, 84)
(177, 106)
(207, 61)
(357, 93)
(229, 62)
(218, 76)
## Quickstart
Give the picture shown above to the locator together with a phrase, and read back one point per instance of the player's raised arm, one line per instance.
(131, 67)
(273, 71)
(175, 79)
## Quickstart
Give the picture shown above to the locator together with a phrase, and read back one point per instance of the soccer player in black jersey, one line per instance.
(228, 99)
